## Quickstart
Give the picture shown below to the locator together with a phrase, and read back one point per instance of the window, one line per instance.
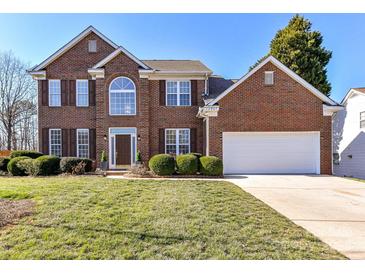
(122, 97)
(177, 141)
(362, 119)
(92, 45)
(178, 93)
(55, 138)
(83, 143)
(54, 93)
(269, 78)
(82, 93)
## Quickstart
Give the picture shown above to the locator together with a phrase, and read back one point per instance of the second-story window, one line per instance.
(82, 93)
(122, 97)
(362, 119)
(54, 93)
(178, 93)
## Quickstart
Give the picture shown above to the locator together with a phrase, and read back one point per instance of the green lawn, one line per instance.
(97, 218)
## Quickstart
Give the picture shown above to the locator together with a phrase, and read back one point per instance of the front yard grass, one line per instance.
(98, 218)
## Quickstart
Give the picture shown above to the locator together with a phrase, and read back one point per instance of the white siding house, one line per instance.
(349, 136)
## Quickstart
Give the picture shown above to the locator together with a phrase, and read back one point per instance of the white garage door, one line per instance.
(271, 152)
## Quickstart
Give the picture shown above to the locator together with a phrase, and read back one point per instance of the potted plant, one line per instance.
(138, 158)
(103, 161)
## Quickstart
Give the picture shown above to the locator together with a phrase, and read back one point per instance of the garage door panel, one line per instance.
(271, 152)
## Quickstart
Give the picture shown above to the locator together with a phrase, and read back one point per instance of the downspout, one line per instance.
(207, 135)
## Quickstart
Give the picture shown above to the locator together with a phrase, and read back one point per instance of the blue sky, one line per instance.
(227, 43)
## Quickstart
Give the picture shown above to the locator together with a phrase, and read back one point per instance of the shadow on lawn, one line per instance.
(138, 235)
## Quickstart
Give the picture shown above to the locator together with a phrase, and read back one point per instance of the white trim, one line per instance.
(132, 135)
(70, 44)
(349, 93)
(77, 141)
(38, 75)
(177, 143)
(49, 141)
(96, 73)
(77, 95)
(115, 53)
(282, 67)
(123, 91)
(330, 110)
(178, 92)
(49, 92)
(207, 136)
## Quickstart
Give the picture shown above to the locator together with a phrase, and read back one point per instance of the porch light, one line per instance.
(139, 137)
(105, 137)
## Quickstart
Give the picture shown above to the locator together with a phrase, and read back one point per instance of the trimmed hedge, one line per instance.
(4, 163)
(187, 164)
(48, 165)
(13, 167)
(28, 153)
(211, 166)
(67, 164)
(162, 164)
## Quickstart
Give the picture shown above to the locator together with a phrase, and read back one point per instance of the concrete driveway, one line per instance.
(331, 208)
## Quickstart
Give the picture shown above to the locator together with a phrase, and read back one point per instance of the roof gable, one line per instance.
(72, 43)
(286, 70)
(360, 91)
(115, 54)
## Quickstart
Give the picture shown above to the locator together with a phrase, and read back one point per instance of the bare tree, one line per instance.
(17, 104)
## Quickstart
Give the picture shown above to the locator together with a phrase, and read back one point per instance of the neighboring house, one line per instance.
(95, 95)
(349, 136)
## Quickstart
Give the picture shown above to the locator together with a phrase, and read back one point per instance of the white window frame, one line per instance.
(123, 91)
(177, 144)
(77, 92)
(362, 119)
(49, 92)
(88, 142)
(50, 141)
(89, 46)
(271, 73)
(178, 93)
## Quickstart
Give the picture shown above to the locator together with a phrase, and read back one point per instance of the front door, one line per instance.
(123, 151)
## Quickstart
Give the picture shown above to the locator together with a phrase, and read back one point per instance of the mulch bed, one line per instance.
(13, 210)
(151, 175)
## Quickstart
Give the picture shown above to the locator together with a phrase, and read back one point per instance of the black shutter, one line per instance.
(65, 145)
(45, 141)
(73, 144)
(44, 91)
(92, 88)
(161, 140)
(193, 139)
(194, 92)
(64, 92)
(162, 92)
(92, 143)
(72, 93)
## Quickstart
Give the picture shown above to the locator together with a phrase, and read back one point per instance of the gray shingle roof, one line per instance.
(217, 85)
(177, 65)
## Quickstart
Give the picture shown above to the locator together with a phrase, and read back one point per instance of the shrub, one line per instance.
(48, 165)
(139, 156)
(103, 157)
(29, 166)
(79, 169)
(4, 163)
(162, 164)
(196, 154)
(13, 167)
(187, 164)
(68, 164)
(28, 153)
(211, 166)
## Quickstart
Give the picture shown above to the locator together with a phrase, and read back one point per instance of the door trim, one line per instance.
(113, 131)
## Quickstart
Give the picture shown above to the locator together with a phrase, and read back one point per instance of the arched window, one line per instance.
(122, 97)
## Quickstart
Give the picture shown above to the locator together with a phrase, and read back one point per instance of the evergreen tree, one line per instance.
(300, 49)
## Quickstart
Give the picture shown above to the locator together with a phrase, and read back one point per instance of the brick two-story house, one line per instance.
(95, 96)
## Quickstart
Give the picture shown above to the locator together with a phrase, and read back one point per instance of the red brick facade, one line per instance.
(252, 106)
(285, 106)
(149, 118)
